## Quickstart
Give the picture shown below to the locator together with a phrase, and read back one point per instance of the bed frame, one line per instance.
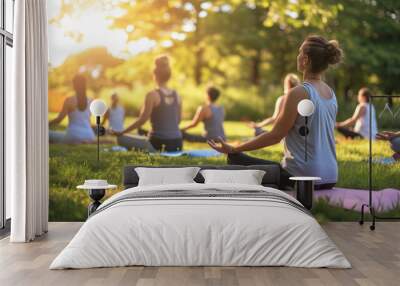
(270, 179)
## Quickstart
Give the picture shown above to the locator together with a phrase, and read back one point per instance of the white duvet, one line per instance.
(200, 231)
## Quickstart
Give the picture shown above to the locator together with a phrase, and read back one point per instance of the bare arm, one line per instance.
(284, 123)
(388, 135)
(145, 114)
(180, 109)
(198, 117)
(358, 113)
(105, 117)
(274, 117)
(63, 113)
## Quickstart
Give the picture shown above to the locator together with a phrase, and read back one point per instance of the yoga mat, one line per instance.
(385, 160)
(191, 153)
(382, 200)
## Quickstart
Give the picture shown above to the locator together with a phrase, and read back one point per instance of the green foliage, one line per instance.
(243, 46)
(370, 42)
(93, 63)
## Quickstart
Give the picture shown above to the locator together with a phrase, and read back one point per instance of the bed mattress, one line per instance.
(201, 225)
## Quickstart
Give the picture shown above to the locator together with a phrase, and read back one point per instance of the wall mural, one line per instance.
(150, 82)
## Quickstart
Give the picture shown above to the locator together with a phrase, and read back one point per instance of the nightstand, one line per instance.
(305, 190)
(96, 190)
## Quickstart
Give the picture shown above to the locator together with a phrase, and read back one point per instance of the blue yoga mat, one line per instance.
(191, 153)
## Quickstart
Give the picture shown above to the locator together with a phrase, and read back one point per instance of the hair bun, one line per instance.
(162, 69)
(162, 62)
(334, 52)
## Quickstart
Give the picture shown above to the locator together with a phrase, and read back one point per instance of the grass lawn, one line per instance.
(71, 165)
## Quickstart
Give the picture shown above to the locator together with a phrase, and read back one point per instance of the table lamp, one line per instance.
(305, 108)
(98, 108)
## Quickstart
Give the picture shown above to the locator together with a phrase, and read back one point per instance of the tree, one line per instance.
(243, 28)
(93, 63)
(243, 25)
(371, 45)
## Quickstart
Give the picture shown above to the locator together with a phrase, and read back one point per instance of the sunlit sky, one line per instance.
(94, 27)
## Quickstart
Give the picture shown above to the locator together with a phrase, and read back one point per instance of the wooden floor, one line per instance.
(375, 257)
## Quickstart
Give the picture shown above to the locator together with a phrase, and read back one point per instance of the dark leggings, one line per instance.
(348, 133)
(285, 182)
(246, 160)
(193, 138)
(166, 145)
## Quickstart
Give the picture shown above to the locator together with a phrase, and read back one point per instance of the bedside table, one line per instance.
(97, 190)
(305, 190)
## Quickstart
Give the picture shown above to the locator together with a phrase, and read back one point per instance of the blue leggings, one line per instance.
(395, 144)
(152, 144)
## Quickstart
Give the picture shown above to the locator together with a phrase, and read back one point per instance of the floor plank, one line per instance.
(375, 257)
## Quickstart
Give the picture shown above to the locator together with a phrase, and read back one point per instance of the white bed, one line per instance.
(269, 229)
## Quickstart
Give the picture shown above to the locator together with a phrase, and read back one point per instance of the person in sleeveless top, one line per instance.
(115, 115)
(76, 107)
(394, 139)
(212, 116)
(316, 54)
(357, 126)
(163, 108)
(291, 80)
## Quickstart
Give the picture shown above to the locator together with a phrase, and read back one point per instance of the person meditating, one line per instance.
(115, 115)
(316, 54)
(212, 116)
(360, 119)
(76, 108)
(291, 80)
(163, 107)
(394, 139)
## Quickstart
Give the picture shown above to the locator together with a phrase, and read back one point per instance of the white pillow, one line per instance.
(248, 177)
(166, 176)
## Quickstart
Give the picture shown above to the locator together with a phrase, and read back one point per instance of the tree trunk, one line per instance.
(347, 89)
(390, 101)
(198, 66)
(255, 68)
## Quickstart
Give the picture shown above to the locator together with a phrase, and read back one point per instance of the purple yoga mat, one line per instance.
(382, 200)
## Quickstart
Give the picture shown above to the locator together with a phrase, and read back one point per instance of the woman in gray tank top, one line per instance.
(211, 115)
(163, 108)
(316, 54)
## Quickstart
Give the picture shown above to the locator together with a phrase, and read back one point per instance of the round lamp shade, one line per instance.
(98, 107)
(306, 107)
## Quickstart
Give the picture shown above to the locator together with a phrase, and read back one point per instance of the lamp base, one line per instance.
(100, 131)
(305, 193)
(303, 130)
(96, 195)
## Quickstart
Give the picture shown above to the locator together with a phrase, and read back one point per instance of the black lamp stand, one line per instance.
(97, 194)
(370, 183)
(100, 131)
(98, 137)
(304, 132)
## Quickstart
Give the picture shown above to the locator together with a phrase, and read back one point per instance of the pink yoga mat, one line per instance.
(382, 200)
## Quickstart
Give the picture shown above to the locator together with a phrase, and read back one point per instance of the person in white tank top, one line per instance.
(357, 126)
(76, 108)
(115, 115)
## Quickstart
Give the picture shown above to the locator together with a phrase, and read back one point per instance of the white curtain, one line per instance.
(27, 124)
